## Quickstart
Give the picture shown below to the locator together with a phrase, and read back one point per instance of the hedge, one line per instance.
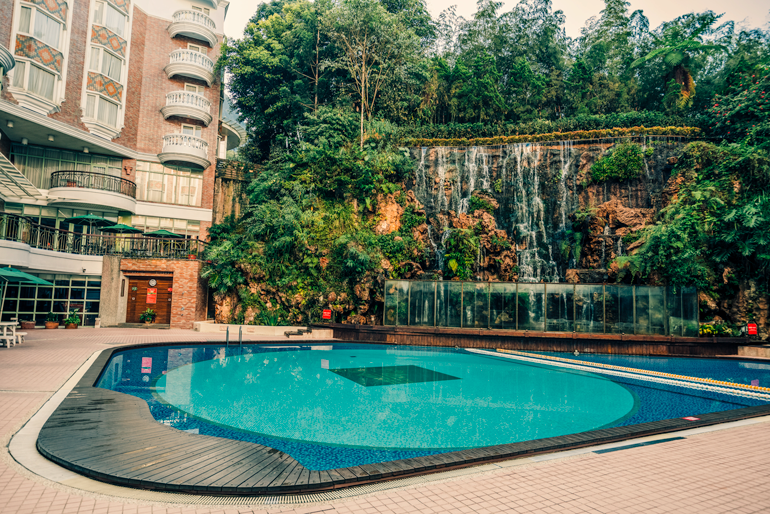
(558, 136)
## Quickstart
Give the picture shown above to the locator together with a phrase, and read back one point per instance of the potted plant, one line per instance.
(52, 321)
(27, 324)
(72, 321)
(147, 316)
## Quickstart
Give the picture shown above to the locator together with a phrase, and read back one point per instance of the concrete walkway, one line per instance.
(715, 472)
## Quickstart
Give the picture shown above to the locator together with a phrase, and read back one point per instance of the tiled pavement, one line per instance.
(725, 471)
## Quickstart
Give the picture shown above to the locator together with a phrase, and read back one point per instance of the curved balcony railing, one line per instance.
(22, 230)
(194, 24)
(188, 105)
(182, 147)
(93, 180)
(190, 63)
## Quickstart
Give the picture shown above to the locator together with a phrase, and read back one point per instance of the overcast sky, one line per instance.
(752, 13)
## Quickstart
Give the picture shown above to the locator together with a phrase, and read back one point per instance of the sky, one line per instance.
(752, 13)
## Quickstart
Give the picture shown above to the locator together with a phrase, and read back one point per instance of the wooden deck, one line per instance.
(112, 437)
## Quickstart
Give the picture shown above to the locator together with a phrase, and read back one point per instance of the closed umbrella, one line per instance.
(13, 276)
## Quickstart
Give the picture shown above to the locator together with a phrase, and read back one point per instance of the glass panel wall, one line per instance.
(448, 303)
(560, 305)
(69, 293)
(588, 308)
(168, 184)
(37, 163)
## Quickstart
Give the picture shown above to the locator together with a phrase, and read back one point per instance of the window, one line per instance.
(69, 292)
(110, 66)
(191, 130)
(165, 184)
(38, 163)
(201, 9)
(194, 48)
(37, 80)
(107, 15)
(101, 109)
(43, 27)
(184, 227)
(192, 88)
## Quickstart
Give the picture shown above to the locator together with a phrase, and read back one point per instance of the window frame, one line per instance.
(100, 64)
(35, 11)
(21, 72)
(95, 118)
(204, 10)
(192, 47)
(196, 129)
(100, 16)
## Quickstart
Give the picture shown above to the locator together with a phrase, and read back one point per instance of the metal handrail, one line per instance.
(193, 57)
(195, 17)
(93, 180)
(23, 230)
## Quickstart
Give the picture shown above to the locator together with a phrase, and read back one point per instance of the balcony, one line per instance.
(193, 24)
(191, 64)
(185, 150)
(80, 189)
(187, 105)
(30, 245)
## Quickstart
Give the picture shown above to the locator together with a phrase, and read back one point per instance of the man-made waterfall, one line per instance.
(538, 187)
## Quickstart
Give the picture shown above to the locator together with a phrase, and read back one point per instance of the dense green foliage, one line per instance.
(332, 90)
(716, 230)
(624, 162)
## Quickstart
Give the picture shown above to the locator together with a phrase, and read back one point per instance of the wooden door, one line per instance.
(139, 299)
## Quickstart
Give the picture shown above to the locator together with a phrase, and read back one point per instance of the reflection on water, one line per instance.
(344, 405)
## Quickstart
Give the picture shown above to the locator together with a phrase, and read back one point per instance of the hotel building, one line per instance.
(110, 108)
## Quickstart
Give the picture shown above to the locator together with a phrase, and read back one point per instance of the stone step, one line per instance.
(754, 351)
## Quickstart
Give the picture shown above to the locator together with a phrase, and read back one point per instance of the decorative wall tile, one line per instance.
(57, 8)
(104, 85)
(31, 48)
(104, 36)
(123, 5)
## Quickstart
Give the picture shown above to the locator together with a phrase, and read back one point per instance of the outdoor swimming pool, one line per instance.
(337, 405)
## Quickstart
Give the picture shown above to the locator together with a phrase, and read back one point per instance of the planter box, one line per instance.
(71, 326)
(27, 325)
(51, 324)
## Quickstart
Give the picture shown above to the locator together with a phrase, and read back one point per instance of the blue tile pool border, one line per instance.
(113, 437)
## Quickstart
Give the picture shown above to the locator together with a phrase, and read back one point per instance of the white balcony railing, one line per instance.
(194, 24)
(190, 63)
(185, 148)
(188, 105)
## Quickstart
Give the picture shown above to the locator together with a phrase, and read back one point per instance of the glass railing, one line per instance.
(93, 180)
(22, 230)
(585, 308)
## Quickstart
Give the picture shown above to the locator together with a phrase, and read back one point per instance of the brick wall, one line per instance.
(135, 82)
(188, 302)
(6, 23)
(79, 34)
(147, 126)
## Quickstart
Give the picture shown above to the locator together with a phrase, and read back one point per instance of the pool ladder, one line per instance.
(240, 337)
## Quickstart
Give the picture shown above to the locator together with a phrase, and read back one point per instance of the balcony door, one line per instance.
(149, 292)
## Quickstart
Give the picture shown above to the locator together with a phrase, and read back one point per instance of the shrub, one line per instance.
(624, 162)
(479, 204)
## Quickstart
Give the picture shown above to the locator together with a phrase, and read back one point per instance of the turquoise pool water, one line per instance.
(393, 399)
(339, 405)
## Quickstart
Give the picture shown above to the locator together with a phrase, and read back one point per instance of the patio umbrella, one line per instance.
(90, 220)
(11, 275)
(163, 233)
(121, 229)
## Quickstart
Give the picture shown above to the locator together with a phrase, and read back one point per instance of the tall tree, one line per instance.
(676, 48)
(373, 44)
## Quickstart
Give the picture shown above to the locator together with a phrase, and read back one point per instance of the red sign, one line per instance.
(152, 295)
(752, 328)
(170, 289)
(327, 314)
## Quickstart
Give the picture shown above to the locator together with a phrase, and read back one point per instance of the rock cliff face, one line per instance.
(546, 202)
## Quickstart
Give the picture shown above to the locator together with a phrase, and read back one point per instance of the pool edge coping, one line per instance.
(367, 474)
